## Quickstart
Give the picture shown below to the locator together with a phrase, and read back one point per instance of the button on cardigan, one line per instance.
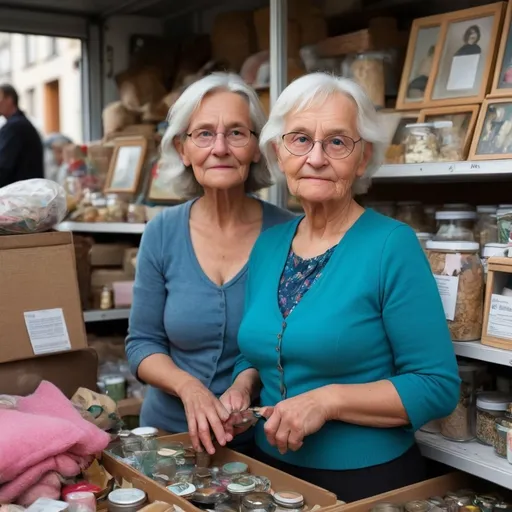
(179, 312)
(374, 313)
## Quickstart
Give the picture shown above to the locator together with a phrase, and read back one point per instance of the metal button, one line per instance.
(279, 336)
(278, 348)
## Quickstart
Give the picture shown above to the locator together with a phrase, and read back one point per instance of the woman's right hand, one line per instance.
(236, 400)
(205, 413)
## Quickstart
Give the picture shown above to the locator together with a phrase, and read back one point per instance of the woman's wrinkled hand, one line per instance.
(235, 401)
(205, 413)
(291, 420)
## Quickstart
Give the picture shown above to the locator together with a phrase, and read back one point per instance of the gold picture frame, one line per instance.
(502, 76)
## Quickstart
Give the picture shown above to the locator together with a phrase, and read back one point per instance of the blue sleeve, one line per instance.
(427, 378)
(10, 149)
(146, 332)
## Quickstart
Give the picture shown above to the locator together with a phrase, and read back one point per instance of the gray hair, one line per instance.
(317, 87)
(172, 170)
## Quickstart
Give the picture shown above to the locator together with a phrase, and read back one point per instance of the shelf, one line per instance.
(475, 350)
(101, 227)
(472, 457)
(106, 315)
(464, 171)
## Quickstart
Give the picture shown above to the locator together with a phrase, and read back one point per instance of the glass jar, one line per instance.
(417, 506)
(486, 228)
(489, 406)
(386, 507)
(258, 502)
(384, 207)
(492, 250)
(422, 143)
(288, 501)
(116, 208)
(430, 219)
(368, 70)
(423, 238)
(457, 207)
(460, 424)
(504, 221)
(455, 226)
(503, 426)
(136, 214)
(126, 500)
(411, 213)
(460, 278)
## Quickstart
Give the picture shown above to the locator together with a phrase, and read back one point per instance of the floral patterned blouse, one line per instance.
(297, 278)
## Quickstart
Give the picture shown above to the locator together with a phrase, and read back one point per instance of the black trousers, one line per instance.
(357, 484)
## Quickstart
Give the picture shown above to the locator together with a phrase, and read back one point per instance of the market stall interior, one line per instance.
(440, 73)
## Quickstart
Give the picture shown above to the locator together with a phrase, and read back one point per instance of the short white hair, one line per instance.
(172, 170)
(316, 88)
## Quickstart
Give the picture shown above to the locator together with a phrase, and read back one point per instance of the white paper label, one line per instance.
(463, 72)
(47, 331)
(448, 286)
(500, 317)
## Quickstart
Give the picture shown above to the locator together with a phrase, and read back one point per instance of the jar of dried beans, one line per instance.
(489, 406)
(460, 279)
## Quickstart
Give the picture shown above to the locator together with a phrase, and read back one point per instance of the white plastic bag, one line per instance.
(31, 206)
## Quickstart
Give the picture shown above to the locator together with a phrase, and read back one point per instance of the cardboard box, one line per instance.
(423, 490)
(104, 277)
(108, 255)
(40, 310)
(280, 481)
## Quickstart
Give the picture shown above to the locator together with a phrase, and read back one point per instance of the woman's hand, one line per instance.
(291, 420)
(205, 413)
(236, 400)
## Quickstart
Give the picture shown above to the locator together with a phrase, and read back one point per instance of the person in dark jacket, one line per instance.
(21, 147)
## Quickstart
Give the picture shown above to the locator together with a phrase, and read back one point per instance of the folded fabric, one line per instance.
(48, 487)
(43, 426)
(65, 465)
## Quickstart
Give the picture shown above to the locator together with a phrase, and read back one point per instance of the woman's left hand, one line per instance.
(291, 420)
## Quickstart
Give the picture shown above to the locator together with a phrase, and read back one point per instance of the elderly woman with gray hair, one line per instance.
(343, 330)
(189, 288)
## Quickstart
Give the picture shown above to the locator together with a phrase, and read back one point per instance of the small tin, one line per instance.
(203, 459)
(289, 500)
(242, 485)
(209, 496)
(126, 500)
(263, 484)
(386, 507)
(235, 468)
(182, 489)
(418, 506)
(258, 502)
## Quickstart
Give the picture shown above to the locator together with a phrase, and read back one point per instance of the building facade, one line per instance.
(46, 72)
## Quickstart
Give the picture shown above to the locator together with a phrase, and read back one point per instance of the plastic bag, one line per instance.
(31, 206)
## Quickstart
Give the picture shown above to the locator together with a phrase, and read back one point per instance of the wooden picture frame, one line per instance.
(159, 191)
(453, 54)
(502, 130)
(504, 56)
(440, 112)
(126, 165)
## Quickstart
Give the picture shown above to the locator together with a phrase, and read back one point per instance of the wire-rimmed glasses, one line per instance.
(335, 146)
(235, 137)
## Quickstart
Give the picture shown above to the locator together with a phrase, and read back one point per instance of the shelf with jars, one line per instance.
(476, 350)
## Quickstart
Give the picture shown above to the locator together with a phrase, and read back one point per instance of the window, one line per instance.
(30, 106)
(49, 47)
(5, 60)
(30, 50)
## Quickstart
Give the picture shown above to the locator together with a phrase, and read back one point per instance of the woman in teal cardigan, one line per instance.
(344, 331)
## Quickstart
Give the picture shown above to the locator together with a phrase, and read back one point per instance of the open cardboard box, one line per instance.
(313, 495)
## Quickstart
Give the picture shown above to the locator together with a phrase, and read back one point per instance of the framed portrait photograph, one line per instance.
(493, 134)
(459, 133)
(160, 188)
(450, 58)
(126, 165)
(502, 81)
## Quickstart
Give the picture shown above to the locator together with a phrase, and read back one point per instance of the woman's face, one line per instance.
(472, 37)
(317, 177)
(220, 165)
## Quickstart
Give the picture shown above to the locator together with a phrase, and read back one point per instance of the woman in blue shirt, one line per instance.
(343, 329)
(192, 263)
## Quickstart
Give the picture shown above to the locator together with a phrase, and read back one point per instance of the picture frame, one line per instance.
(502, 80)
(461, 63)
(395, 150)
(493, 134)
(159, 190)
(466, 126)
(126, 165)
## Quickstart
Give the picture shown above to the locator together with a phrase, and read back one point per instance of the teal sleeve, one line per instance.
(426, 379)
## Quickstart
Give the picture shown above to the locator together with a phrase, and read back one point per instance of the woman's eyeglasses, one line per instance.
(236, 137)
(334, 146)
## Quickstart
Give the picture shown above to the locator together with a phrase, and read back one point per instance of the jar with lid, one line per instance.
(422, 143)
(455, 226)
(386, 507)
(503, 426)
(116, 208)
(288, 501)
(384, 207)
(258, 502)
(459, 274)
(417, 506)
(410, 212)
(126, 500)
(489, 406)
(423, 238)
(430, 219)
(486, 228)
(490, 251)
(460, 424)
(457, 207)
(504, 220)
